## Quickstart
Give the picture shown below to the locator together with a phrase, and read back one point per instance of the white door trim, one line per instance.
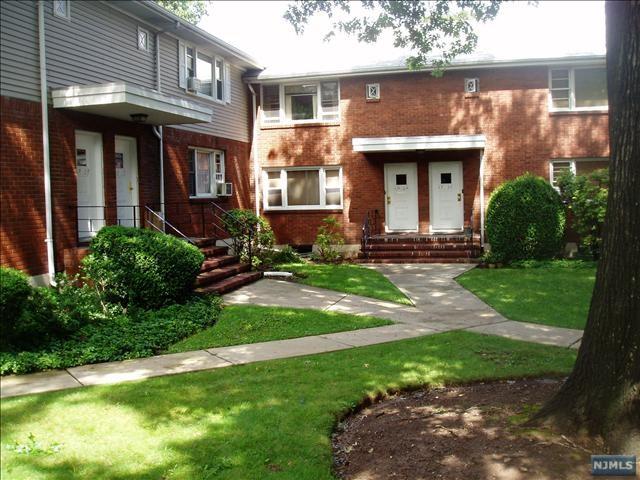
(414, 182)
(92, 211)
(458, 164)
(135, 192)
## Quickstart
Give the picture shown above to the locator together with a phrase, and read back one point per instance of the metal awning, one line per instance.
(121, 100)
(402, 144)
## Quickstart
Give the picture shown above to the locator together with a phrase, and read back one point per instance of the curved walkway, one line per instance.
(440, 305)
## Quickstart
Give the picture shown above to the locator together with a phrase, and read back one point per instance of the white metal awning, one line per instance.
(401, 144)
(121, 100)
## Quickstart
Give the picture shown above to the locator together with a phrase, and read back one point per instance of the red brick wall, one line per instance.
(510, 110)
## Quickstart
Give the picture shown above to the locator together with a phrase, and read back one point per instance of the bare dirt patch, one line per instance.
(468, 432)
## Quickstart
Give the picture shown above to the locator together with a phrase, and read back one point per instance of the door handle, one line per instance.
(459, 197)
(388, 199)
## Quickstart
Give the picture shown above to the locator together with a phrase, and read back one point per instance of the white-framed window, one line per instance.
(577, 166)
(143, 39)
(372, 91)
(301, 102)
(206, 171)
(212, 74)
(302, 188)
(578, 89)
(62, 9)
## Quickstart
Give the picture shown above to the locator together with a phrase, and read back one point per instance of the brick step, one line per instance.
(421, 246)
(204, 242)
(418, 260)
(219, 274)
(420, 239)
(422, 253)
(217, 262)
(229, 284)
(214, 251)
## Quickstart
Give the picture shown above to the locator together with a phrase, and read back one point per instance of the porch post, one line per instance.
(482, 197)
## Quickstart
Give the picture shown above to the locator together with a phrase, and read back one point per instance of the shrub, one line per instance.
(250, 233)
(328, 238)
(586, 198)
(14, 295)
(525, 220)
(141, 334)
(285, 255)
(139, 267)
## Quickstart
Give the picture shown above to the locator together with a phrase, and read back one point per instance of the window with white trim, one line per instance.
(577, 166)
(303, 188)
(301, 102)
(206, 171)
(212, 73)
(143, 39)
(62, 9)
(578, 88)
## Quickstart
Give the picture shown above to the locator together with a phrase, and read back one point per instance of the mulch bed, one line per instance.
(467, 432)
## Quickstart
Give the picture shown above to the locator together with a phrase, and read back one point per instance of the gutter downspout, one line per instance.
(157, 131)
(254, 150)
(46, 160)
(482, 198)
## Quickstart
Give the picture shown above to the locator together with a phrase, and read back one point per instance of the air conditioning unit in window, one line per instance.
(219, 177)
(224, 189)
(193, 84)
(471, 85)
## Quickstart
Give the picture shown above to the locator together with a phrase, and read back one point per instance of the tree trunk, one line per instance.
(602, 394)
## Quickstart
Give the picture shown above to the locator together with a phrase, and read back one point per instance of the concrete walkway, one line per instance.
(440, 305)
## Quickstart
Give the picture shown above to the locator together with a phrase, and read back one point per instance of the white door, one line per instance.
(446, 197)
(126, 165)
(401, 186)
(89, 171)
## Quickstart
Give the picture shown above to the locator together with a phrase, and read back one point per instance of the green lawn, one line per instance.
(557, 295)
(347, 278)
(257, 421)
(250, 324)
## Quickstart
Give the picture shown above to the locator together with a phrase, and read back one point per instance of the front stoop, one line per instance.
(407, 248)
(220, 272)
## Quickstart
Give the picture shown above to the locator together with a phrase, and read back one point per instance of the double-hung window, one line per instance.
(578, 88)
(211, 75)
(303, 188)
(577, 166)
(206, 171)
(301, 102)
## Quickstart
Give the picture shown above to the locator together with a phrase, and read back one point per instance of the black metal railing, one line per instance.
(370, 227)
(157, 221)
(233, 232)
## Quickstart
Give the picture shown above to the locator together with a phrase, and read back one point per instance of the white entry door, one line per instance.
(126, 165)
(401, 186)
(446, 197)
(89, 170)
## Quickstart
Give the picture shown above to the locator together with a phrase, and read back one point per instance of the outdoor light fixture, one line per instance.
(139, 117)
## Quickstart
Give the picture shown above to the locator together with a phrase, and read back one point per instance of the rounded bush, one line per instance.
(14, 294)
(525, 220)
(140, 267)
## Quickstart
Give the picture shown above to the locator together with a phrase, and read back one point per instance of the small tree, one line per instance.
(328, 238)
(586, 198)
(252, 236)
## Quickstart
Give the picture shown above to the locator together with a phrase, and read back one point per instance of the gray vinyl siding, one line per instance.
(97, 45)
(19, 60)
(229, 120)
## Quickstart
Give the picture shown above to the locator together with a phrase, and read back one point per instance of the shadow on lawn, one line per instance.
(271, 418)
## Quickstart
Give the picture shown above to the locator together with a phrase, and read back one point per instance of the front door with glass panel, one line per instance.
(446, 197)
(89, 171)
(126, 167)
(401, 196)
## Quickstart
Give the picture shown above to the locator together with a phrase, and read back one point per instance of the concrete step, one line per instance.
(218, 274)
(229, 284)
(421, 246)
(386, 239)
(418, 260)
(210, 252)
(217, 262)
(421, 254)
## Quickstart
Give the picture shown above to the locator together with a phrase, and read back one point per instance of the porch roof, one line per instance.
(433, 142)
(121, 100)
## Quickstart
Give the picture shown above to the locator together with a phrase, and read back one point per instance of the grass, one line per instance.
(257, 421)
(555, 294)
(250, 324)
(347, 278)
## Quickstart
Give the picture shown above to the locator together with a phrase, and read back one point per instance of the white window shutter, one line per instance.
(227, 83)
(182, 69)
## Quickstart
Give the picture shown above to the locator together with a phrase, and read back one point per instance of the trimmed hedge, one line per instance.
(120, 338)
(140, 267)
(14, 295)
(525, 220)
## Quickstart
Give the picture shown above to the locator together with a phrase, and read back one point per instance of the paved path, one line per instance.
(440, 304)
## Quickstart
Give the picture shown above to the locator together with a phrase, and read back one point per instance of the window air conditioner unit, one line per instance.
(193, 84)
(471, 85)
(219, 177)
(224, 189)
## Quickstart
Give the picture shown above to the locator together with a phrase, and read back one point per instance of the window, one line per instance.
(373, 91)
(62, 8)
(303, 188)
(219, 80)
(143, 39)
(305, 102)
(206, 171)
(577, 166)
(211, 72)
(204, 69)
(580, 88)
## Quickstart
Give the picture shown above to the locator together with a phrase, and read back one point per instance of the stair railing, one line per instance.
(369, 228)
(164, 222)
(244, 230)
